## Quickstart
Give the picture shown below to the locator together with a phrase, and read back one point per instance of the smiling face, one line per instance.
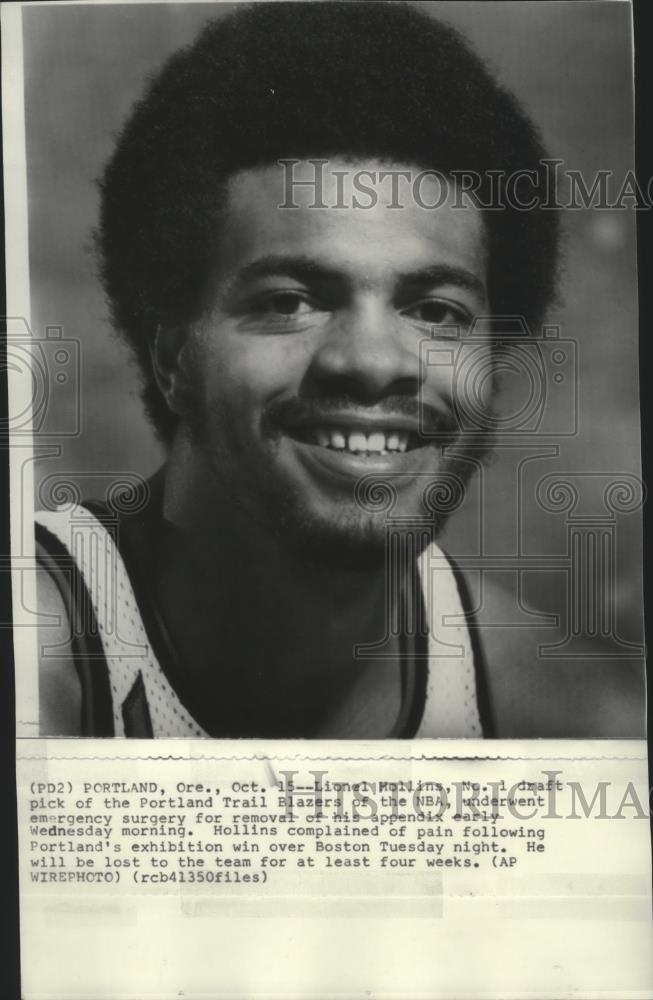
(306, 371)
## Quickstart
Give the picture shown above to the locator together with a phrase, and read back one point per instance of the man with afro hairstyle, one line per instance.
(283, 226)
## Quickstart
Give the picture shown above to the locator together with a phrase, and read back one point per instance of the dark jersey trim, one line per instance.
(136, 711)
(86, 645)
(414, 666)
(480, 665)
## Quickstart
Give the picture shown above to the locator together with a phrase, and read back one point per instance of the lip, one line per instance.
(366, 423)
(350, 467)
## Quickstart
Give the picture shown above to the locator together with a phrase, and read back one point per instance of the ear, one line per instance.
(169, 354)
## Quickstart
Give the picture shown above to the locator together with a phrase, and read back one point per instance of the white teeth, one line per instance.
(376, 443)
(357, 442)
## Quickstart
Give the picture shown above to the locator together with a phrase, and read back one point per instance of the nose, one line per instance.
(364, 352)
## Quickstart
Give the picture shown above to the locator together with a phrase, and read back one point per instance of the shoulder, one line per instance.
(60, 696)
(533, 694)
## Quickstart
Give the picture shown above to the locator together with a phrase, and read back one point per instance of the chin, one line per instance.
(348, 539)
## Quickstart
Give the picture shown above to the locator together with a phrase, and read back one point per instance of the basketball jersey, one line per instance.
(133, 695)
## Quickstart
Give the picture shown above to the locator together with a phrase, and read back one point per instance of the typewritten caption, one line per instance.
(258, 826)
(249, 832)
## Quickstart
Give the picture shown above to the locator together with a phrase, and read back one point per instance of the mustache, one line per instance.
(431, 420)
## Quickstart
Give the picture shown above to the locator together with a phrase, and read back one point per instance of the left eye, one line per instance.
(436, 311)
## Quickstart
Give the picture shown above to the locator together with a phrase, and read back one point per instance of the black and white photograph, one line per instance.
(335, 311)
(325, 474)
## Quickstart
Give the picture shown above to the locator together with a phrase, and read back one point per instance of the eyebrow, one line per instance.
(303, 269)
(446, 274)
(298, 267)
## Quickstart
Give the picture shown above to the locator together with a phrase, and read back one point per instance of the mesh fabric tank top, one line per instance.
(127, 690)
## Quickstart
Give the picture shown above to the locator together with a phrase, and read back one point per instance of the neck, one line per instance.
(264, 631)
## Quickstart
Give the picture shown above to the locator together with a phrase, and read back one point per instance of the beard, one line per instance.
(353, 533)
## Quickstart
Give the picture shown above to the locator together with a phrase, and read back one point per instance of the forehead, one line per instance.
(364, 236)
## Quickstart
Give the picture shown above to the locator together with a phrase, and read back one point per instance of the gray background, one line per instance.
(569, 62)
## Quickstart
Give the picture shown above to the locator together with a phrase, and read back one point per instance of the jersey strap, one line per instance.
(143, 701)
(451, 709)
